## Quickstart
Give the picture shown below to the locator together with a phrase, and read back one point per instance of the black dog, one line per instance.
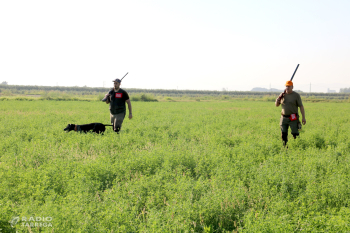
(95, 127)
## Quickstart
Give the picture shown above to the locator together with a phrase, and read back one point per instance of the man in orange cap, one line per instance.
(290, 101)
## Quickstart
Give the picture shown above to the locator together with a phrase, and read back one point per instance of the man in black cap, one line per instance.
(116, 99)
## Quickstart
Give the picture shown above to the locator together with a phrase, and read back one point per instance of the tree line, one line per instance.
(344, 90)
(18, 89)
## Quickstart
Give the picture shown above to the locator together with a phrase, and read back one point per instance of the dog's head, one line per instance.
(69, 127)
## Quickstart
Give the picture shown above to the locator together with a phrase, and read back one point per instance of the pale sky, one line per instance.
(182, 44)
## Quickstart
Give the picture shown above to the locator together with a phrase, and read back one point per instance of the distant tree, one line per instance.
(4, 83)
(344, 90)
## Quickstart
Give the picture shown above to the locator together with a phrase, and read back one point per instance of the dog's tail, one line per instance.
(108, 125)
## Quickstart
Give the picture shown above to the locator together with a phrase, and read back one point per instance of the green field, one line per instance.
(175, 167)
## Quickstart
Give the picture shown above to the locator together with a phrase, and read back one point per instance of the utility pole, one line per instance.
(310, 87)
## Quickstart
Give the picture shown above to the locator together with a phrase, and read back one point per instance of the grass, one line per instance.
(176, 167)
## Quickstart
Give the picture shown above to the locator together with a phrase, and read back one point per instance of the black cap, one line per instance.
(117, 80)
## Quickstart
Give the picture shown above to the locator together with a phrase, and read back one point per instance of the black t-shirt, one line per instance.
(117, 104)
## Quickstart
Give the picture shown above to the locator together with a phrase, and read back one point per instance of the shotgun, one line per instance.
(294, 72)
(128, 72)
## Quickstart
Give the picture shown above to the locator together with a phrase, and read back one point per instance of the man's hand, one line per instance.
(281, 95)
(279, 98)
(130, 115)
(304, 121)
(107, 98)
(277, 102)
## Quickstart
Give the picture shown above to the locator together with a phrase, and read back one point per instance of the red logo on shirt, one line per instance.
(118, 95)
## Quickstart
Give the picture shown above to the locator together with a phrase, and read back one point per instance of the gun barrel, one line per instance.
(124, 76)
(294, 72)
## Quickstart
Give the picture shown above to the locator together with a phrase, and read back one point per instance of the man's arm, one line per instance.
(107, 97)
(302, 110)
(279, 98)
(278, 102)
(129, 107)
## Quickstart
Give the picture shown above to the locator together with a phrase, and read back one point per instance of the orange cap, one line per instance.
(289, 83)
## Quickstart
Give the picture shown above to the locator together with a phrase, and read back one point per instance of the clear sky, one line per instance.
(182, 44)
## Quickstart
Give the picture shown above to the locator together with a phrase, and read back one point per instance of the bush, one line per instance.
(143, 97)
(269, 98)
